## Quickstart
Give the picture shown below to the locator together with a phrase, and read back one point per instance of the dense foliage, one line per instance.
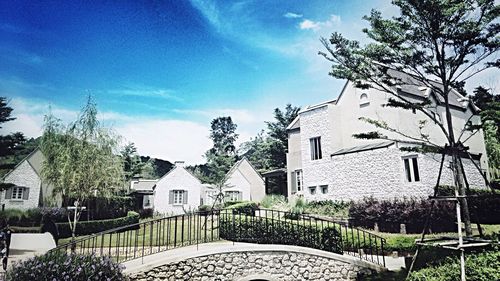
(412, 212)
(483, 266)
(274, 231)
(246, 208)
(62, 266)
(91, 227)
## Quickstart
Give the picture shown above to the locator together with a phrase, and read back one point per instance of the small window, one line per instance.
(363, 100)
(298, 179)
(324, 189)
(17, 192)
(233, 195)
(178, 197)
(411, 169)
(312, 190)
(315, 144)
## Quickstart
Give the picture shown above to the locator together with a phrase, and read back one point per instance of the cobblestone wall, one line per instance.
(256, 265)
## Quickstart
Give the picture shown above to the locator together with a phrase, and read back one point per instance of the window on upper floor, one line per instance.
(363, 100)
(315, 144)
(411, 169)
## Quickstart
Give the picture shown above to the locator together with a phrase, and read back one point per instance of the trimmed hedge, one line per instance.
(63, 266)
(247, 208)
(268, 231)
(412, 212)
(91, 227)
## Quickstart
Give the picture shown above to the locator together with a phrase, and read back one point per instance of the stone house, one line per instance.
(325, 161)
(28, 190)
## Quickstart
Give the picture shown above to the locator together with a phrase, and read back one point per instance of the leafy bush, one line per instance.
(273, 201)
(204, 208)
(483, 266)
(297, 208)
(230, 203)
(62, 266)
(100, 208)
(412, 212)
(274, 231)
(328, 208)
(146, 213)
(247, 208)
(91, 227)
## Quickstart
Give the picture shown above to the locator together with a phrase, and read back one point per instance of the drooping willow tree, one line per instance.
(81, 159)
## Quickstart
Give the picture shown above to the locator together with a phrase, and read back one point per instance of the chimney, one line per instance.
(179, 163)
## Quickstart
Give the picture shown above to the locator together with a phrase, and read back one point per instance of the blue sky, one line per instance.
(161, 70)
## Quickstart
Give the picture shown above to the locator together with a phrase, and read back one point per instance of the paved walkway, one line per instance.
(27, 245)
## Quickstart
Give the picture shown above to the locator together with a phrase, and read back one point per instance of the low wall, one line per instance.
(269, 263)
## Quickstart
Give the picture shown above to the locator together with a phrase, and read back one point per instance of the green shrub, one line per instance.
(91, 227)
(230, 203)
(389, 214)
(483, 266)
(328, 208)
(274, 231)
(204, 208)
(62, 266)
(247, 208)
(101, 208)
(273, 201)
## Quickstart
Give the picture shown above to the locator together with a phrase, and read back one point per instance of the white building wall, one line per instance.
(380, 173)
(23, 175)
(238, 182)
(315, 123)
(177, 179)
(293, 157)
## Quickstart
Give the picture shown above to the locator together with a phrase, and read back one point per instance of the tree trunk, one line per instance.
(458, 176)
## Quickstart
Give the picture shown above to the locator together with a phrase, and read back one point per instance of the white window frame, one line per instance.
(232, 195)
(411, 169)
(315, 147)
(178, 197)
(17, 193)
(299, 180)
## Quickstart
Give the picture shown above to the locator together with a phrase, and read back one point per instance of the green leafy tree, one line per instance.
(222, 156)
(80, 159)
(148, 170)
(10, 145)
(490, 117)
(278, 142)
(447, 41)
(132, 164)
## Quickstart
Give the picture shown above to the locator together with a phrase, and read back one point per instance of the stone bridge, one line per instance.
(245, 262)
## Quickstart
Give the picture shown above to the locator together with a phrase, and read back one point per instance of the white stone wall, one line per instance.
(23, 175)
(255, 266)
(315, 123)
(380, 173)
(177, 179)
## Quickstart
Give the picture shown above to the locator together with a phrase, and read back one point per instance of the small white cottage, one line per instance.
(243, 182)
(177, 192)
(28, 190)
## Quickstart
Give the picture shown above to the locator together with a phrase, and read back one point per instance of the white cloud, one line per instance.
(307, 24)
(291, 15)
(145, 91)
(168, 139)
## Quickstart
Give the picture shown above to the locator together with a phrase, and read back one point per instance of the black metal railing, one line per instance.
(259, 226)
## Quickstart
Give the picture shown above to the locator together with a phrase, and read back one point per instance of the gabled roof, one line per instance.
(34, 159)
(237, 164)
(180, 167)
(294, 125)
